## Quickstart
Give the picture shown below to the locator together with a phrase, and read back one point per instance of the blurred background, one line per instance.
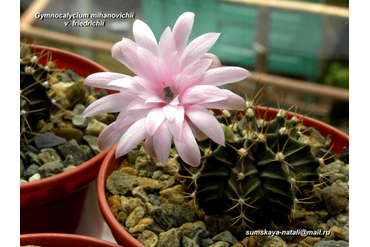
(299, 49)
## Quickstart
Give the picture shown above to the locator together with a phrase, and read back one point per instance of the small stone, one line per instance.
(21, 168)
(226, 236)
(80, 153)
(335, 199)
(120, 183)
(101, 93)
(199, 234)
(208, 242)
(76, 93)
(242, 243)
(128, 204)
(220, 244)
(69, 161)
(337, 176)
(331, 243)
(149, 185)
(157, 174)
(65, 169)
(169, 238)
(51, 168)
(33, 159)
(145, 165)
(191, 226)
(48, 155)
(90, 99)
(188, 242)
(135, 217)
(141, 225)
(122, 217)
(23, 181)
(95, 127)
(333, 167)
(80, 121)
(35, 177)
(345, 171)
(148, 238)
(140, 192)
(114, 204)
(153, 199)
(129, 171)
(308, 241)
(92, 142)
(48, 140)
(275, 241)
(48, 127)
(69, 134)
(337, 233)
(186, 214)
(160, 216)
(106, 118)
(31, 170)
(68, 115)
(79, 109)
(173, 194)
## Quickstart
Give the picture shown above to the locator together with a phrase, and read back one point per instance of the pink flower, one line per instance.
(168, 98)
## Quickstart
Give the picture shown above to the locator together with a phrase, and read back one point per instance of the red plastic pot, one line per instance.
(110, 164)
(63, 240)
(65, 202)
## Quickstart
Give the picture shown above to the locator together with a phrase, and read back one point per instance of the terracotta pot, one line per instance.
(62, 240)
(110, 164)
(65, 202)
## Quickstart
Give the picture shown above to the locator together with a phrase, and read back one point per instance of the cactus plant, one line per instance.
(34, 101)
(265, 169)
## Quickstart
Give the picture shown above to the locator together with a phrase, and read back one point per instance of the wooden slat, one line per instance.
(29, 15)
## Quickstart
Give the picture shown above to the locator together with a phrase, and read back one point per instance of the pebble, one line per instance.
(48, 140)
(169, 238)
(191, 226)
(161, 217)
(23, 181)
(188, 242)
(173, 194)
(128, 204)
(94, 127)
(51, 168)
(48, 155)
(92, 142)
(120, 183)
(226, 236)
(331, 243)
(148, 238)
(31, 170)
(79, 109)
(80, 153)
(35, 177)
(135, 217)
(334, 198)
(33, 159)
(80, 122)
(220, 244)
(69, 134)
(140, 192)
(65, 169)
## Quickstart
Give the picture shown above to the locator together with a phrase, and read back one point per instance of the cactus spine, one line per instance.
(261, 174)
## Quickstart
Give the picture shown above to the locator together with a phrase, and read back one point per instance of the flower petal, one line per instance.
(206, 122)
(196, 131)
(162, 139)
(233, 102)
(110, 103)
(127, 118)
(144, 36)
(154, 119)
(187, 147)
(202, 94)
(181, 30)
(215, 60)
(166, 45)
(128, 84)
(109, 136)
(149, 146)
(125, 51)
(132, 137)
(197, 48)
(102, 79)
(224, 75)
(175, 125)
(169, 111)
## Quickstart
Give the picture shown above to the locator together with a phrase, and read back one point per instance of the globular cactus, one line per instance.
(265, 169)
(34, 101)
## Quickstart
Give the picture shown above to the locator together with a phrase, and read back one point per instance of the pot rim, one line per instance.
(119, 232)
(80, 239)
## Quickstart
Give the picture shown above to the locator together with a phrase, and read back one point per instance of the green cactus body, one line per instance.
(259, 175)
